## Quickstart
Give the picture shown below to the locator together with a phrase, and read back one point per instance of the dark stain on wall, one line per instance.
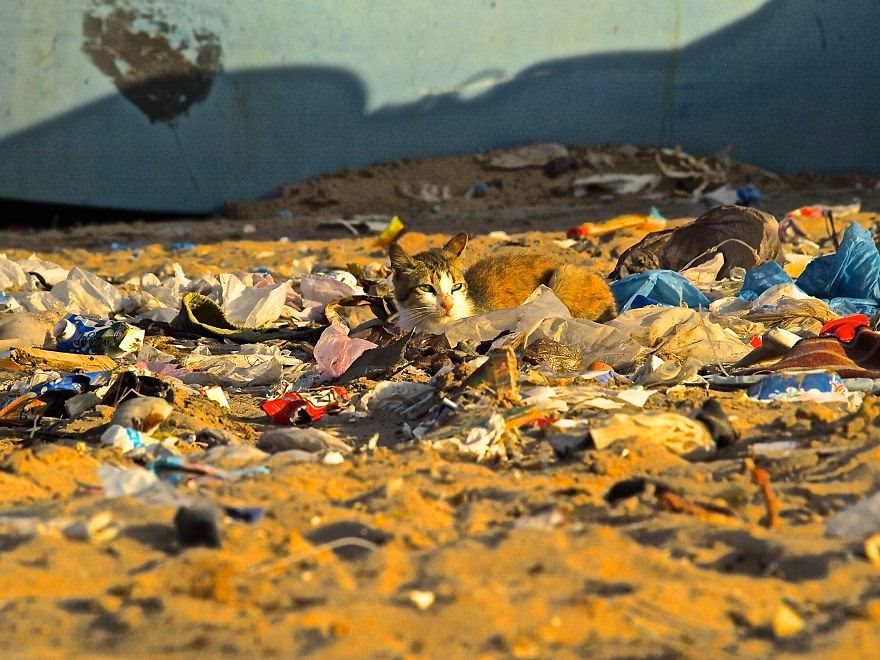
(163, 79)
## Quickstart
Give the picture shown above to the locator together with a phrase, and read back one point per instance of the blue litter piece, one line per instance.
(852, 272)
(665, 287)
(638, 301)
(480, 190)
(759, 279)
(850, 306)
(116, 246)
(247, 514)
(74, 383)
(788, 385)
(748, 194)
(181, 246)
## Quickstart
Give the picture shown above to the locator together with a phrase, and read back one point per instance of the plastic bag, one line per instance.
(594, 341)
(678, 332)
(336, 351)
(664, 286)
(852, 272)
(759, 279)
(542, 304)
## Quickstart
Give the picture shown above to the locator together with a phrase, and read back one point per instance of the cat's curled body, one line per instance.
(432, 291)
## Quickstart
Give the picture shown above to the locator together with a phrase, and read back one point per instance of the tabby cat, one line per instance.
(432, 291)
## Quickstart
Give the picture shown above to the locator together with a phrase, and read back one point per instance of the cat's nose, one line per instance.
(446, 304)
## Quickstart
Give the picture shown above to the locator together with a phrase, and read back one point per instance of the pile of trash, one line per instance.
(733, 300)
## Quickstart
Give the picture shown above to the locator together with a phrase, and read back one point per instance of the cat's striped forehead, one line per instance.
(433, 267)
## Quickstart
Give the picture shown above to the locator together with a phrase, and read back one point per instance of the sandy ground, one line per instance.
(523, 558)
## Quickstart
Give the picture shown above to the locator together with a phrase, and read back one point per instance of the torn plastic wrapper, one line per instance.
(820, 385)
(652, 222)
(304, 408)
(323, 289)
(679, 333)
(336, 351)
(24, 409)
(390, 233)
(679, 434)
(254, 365)
(126, 439)
(481, 438)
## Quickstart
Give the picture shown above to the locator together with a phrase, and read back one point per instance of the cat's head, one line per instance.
(429, 287)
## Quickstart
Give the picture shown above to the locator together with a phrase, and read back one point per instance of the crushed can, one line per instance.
(304, 408)
(87, 336)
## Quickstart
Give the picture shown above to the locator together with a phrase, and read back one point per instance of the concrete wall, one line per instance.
(177, 106)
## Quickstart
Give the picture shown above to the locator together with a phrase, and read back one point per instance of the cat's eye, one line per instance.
(427, 288)
(457, 287)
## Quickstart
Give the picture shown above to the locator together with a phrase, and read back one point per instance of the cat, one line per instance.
(432, 291)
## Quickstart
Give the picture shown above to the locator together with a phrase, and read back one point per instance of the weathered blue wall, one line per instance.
(178, 106)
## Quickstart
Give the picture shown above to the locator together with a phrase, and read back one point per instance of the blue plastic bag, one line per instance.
(664, 286)
(759, 279)
(850, 306)
(852, 272)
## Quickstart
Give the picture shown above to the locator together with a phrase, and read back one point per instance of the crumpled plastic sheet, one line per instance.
(322, 289)
(542, 304)
(254, 365)
(664, 286)
(856, 522)
(595, 341)
(782, 305)
(399, 398)
(679, 434)
(11, 274)
(86, 293)
(48, 270)
(679, 332)
(335, 351)
(257, 307)
(481, 440)
(36, 301)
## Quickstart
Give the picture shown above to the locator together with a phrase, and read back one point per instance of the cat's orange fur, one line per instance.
(499, 281)
(508, 278)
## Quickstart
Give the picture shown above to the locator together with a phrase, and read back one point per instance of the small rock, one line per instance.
(143, 413)
(787, 622)
(713, 417)
(421, 599)
(197, 526)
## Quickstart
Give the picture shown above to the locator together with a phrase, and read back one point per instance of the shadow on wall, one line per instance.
(791, 87)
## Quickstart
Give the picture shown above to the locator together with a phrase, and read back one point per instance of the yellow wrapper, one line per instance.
(391, 232)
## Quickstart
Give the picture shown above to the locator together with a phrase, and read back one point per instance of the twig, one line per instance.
(761, 477)
(669, 501)
(829, 222)
(711, 343)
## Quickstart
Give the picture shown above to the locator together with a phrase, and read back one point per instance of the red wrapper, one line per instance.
(304, 408)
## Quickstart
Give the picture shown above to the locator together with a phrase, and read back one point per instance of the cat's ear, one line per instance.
(400, 260)
(456, 244)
